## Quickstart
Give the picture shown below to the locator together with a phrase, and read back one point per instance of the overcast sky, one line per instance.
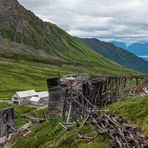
(123, 20)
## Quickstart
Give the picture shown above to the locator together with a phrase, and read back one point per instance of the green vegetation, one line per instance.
(33, 50)
(17, 75)
(19, 112)
(134, 111)
(117, 54)
(39, 112)
(46, 135)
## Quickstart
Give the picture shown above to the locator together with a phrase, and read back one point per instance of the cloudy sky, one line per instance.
(122, 20)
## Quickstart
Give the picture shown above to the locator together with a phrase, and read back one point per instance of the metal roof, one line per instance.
(34, 99)
(28, 93)
(43, 94)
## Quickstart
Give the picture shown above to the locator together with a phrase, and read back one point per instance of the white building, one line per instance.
(22, 97)
(36, 101)
(41, 99)
(30, 97)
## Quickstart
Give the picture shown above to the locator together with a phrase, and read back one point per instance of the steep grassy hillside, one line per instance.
(18, 74)
(22, 26)
(135, 111)
(117, 54)
(31, 51)
(47, 135)
(22, 33)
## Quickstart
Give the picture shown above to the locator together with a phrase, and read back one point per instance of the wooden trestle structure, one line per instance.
(102, 91)
(78, 99)
(98, 91)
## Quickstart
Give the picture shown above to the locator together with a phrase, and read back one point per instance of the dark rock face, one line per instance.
(7, 4)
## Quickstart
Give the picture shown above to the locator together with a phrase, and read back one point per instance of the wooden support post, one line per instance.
(69, 112)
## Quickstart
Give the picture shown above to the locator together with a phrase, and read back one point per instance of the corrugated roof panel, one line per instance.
(28, 93)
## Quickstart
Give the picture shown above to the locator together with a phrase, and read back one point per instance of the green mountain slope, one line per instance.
(22, 26)
(16, 75)
(117, 54)
(32, 50)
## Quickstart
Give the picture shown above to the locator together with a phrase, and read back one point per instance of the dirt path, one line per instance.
(42, 107)
(6, 101)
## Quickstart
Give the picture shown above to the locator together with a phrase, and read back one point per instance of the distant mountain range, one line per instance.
(119, 55)
(140, 49)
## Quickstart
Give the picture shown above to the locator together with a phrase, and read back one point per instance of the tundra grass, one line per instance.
(47, 135)
(19, 112)
(39, 113)
(21, 75)
(134, 111)
(24, 76)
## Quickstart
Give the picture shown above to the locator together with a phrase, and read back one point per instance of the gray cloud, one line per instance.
(123, 20)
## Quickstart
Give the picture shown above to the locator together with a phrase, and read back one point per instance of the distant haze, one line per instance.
(120, 20)
(140, 49)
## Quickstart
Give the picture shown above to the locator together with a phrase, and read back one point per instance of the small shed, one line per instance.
(22, 97)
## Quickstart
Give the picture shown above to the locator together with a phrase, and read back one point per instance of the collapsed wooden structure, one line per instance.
(120, 133)
(99, 91)
(81, 98)
(6, 121)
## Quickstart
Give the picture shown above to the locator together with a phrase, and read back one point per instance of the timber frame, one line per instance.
(82, 99)
(93, 91)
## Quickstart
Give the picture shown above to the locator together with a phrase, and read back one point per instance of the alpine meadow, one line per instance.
(72, 75)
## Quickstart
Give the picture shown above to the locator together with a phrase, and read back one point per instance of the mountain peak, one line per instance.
(8, 3)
